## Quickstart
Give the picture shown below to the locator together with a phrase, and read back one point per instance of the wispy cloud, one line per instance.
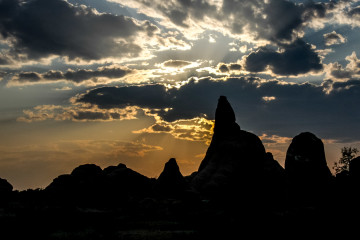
(102, 75)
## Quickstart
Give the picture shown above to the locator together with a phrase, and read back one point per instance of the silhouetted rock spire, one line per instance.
(171, 172)
(235, 160)
(225, 128)
(171, 182)
(225, 125)
(224, 115)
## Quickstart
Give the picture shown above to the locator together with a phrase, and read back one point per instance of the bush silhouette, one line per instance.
(348, 154)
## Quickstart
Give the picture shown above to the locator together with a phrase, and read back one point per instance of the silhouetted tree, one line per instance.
(348, 154)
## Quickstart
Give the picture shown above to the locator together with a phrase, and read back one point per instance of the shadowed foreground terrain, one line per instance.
(239, 189)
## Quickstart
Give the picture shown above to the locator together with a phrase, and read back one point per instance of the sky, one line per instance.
(137, 81)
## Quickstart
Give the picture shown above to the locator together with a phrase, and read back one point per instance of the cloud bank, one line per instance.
(273, 107)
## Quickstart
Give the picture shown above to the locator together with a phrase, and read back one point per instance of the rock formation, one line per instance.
(171, 182)
(354, 169)
(274, 181)
(5, 186)
(235, 162)
(86, 171)
(308, 174)
(90, 184)
(124, 180)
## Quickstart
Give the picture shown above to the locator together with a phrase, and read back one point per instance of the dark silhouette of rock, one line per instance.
(86, 171)
(225, 121)
(123, 180)
(306, 169)
(88, 184)
(235, 162)
(274, 179)
(88, 181)
(84, 186)
(5, 186)
(354, 168)
(62, 183)
(190, 177)
(171, 182)
(272, 168)
(352, 188)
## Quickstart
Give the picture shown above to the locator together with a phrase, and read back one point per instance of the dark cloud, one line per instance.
(178, 17)
(224, 68)
(274, 20)
(333, 38)
(355, 12)
(4, 60)
(95, 115)
(160, 128)
(296, 58)
(29, 77)
(2, 74)
(297, 108)
(179, 11)
(283, 18)
(41, 28)
(235, 66)
(316, 10)
(152, 96)
(76, 76)
(341, 73)
(176, 63)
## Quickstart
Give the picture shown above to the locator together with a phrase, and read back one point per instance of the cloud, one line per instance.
(338, 72)
(78, 112)
(277, 145)
(29, 77)
(333, 38)
(268, 98)
(345, 13)
(79, 76)
(272, 20)
(294, 107)
(355, 12)
(293, 59)
(179, 13)
(225, 68)
(196, 129)
(43, 28)
(176, 63)
(5, 60)
(152, 96)
(2, 74)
